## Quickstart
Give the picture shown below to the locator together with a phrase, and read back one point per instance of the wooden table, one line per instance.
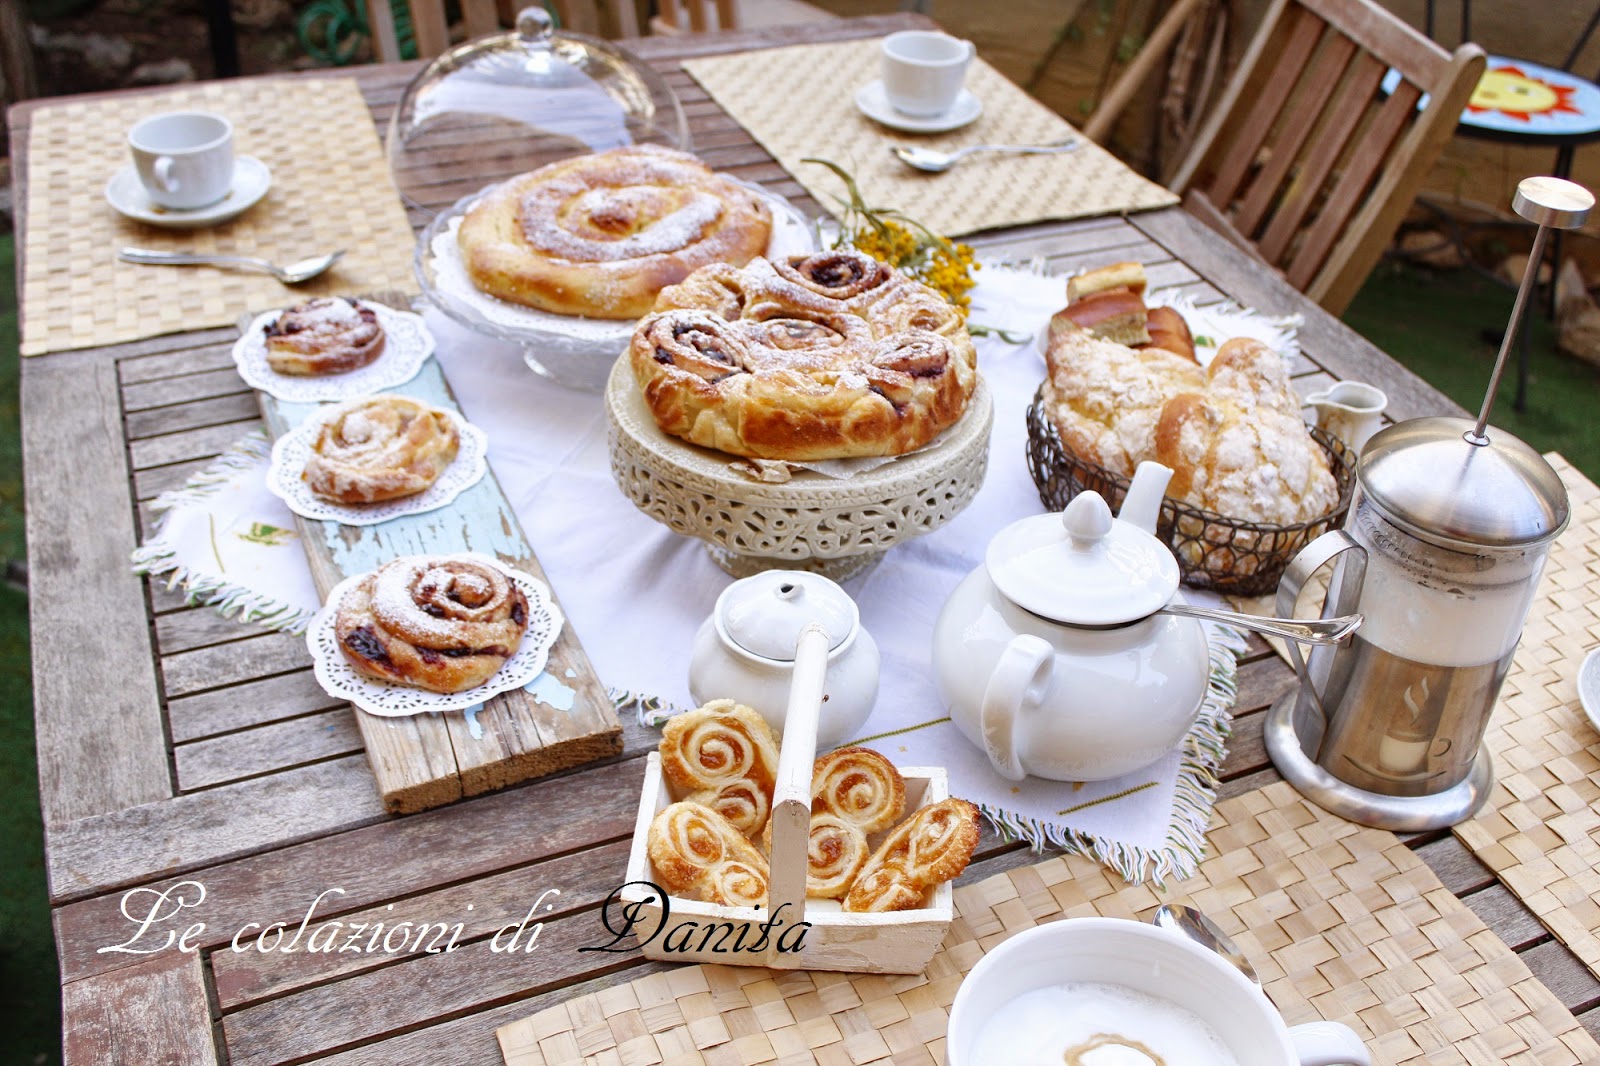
(176, 746)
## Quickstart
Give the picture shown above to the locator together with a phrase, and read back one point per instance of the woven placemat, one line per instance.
(800, 102)
(1538, 832)
(330, 189)
(1342, 922)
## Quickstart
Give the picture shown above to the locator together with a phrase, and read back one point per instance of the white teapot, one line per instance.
(746, 651)
(1052, 656)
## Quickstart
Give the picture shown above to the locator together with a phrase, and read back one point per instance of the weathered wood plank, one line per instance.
(189, 444)
(427, 760)
(210, 351)
(107, 851)
(155, 421)
(151, 1014)
(165, 392)
(253, 703)
(240, 660)
(373, 863)
(96, 711)
(267, 749)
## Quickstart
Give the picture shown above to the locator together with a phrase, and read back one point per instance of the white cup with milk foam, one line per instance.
(1088, 991)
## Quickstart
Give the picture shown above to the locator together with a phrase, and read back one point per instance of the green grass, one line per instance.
(30, 1003)
(1433, 322)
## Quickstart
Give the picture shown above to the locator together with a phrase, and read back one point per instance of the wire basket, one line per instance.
(1227, 555)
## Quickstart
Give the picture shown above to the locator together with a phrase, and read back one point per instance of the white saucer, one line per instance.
(874, 103)
(1589, 686)
(251, 180)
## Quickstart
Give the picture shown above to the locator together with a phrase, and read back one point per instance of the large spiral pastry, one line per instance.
(932, 846)
(859, 786)
(826, 356)
(381, 448)
(723, 756)
(439, 622)
(600, 235)
(329, 335)
(699, 854)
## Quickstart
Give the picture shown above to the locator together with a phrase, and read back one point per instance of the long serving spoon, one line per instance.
(938, 162)
(1299, 630)
(1193, 925)
(293, 274)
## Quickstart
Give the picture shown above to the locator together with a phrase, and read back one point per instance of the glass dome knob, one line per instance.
(534, 25)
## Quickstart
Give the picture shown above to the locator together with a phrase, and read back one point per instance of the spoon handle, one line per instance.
(1028, 149)
(148, 256)
(1302, 631)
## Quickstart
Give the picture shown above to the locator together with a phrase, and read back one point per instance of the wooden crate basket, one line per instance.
(675, 929)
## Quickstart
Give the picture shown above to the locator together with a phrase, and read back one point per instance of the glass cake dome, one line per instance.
(504, 104)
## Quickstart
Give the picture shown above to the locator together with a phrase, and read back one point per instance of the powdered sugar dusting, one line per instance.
(671, 232)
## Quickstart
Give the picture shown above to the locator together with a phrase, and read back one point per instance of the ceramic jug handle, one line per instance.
(1019, 677)
(1313, 557)
(1328, 1044)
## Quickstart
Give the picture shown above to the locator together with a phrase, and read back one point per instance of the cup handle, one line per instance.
(1019, 676)
(1328, 1044)
(163, 173)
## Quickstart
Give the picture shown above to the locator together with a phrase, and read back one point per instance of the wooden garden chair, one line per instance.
(1306, 161)
(431, 31)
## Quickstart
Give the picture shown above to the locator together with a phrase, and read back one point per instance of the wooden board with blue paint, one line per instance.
(563, 719)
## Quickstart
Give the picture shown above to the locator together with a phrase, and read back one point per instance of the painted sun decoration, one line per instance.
(1517, 95)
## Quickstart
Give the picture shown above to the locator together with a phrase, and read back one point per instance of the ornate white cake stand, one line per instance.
(838, 527)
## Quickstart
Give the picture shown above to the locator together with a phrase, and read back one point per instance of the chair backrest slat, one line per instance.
(1354, 180)
(600, 18)
(1306, 158)
(480, 17)
(1314, 94)
(1319, 162)
(1245, 144)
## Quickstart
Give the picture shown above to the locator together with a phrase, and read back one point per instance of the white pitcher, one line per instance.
(1351, 411)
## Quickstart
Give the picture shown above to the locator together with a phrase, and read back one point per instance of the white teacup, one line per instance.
(184, 158)
(923, 71)
(1182, 1001)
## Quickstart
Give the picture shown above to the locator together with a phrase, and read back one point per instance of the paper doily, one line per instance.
(339, 680)
(292, 450)
(407, 343)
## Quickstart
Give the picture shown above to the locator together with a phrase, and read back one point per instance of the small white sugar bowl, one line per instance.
(745, 651)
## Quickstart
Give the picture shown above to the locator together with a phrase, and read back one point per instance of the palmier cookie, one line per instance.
(860, 786)
(723, 756)
(439, 622)
(932, 846)
(328, 335)
(836, 850)
(600, 235)
(380, 448)
(699, 854)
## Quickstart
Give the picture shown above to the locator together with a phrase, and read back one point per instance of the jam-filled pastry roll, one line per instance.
(441, 623)
(932, 846)
(382, 448)
(723, 756)
(699, 854)
(860, 786)
(328, 335)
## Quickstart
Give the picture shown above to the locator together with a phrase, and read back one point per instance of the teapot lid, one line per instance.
(764, 614)
(1082, 567)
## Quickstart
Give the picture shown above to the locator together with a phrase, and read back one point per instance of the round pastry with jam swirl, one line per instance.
(600, 235)
(330, 335)
(437, 622)
(827, 356)
(380, 448)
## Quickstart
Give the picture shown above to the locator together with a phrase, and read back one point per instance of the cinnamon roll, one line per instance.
(826, 356)
(932, 846)
(723, 756)
(859, 786)
(438, 622)
(380, 448)
(698, 853)
(329, 335)
(600, 235)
